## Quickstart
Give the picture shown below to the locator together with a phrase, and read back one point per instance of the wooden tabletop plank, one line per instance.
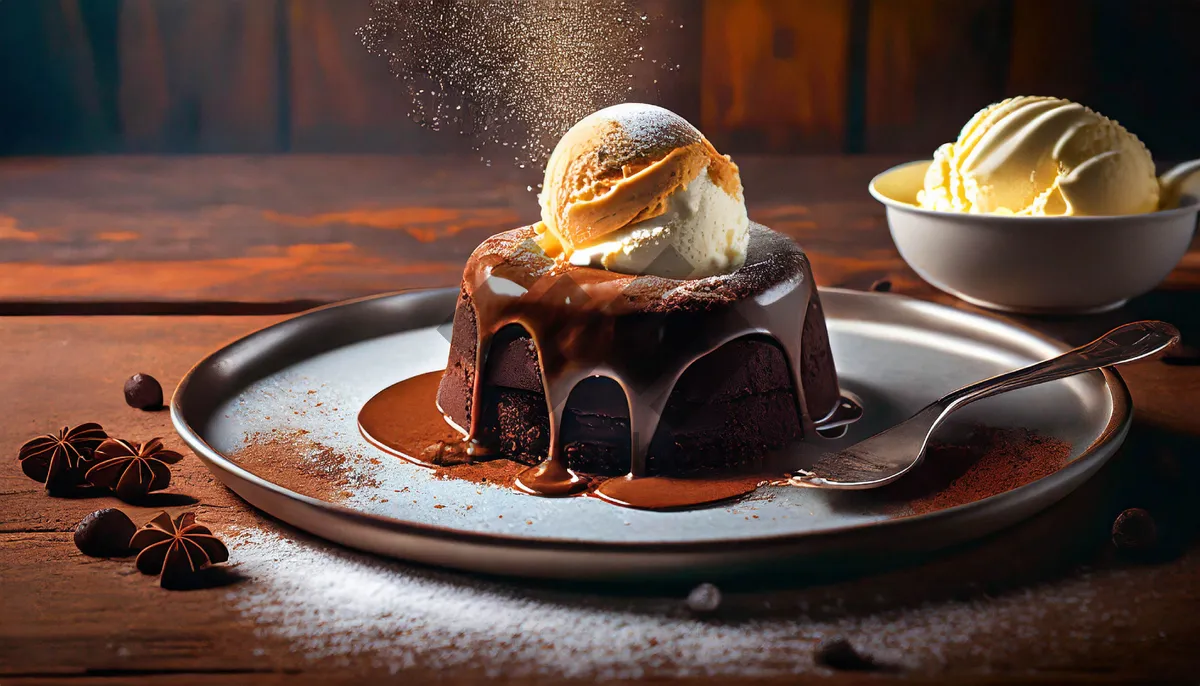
(243, 229)
(1028, 612)
(202, 74)
(324, 228)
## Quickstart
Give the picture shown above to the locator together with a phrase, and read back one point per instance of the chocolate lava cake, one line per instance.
(736, 398)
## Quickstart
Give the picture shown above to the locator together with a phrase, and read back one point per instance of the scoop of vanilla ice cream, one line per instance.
(703, 232)
(1045, 157)
(637, 189)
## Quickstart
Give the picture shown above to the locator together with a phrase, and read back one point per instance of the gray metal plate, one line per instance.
(895, 353)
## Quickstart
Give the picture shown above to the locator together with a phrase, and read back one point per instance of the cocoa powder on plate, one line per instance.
(987, 462)
(294, 460)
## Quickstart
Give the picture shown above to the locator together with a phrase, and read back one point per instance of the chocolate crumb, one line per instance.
(704, 599)
(1134, 531)
(105, 533)
(881, 286)
(143, 392)
(837, 653)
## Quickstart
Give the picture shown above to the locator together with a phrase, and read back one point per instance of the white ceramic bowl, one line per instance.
(1039, 265)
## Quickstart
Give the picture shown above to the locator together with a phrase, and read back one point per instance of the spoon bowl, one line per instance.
(889, 455)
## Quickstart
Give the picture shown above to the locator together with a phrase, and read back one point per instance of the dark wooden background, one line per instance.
(774, 76)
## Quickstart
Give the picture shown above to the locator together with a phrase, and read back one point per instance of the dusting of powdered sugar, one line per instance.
(650, 126)
(516, 75)
(333, 604)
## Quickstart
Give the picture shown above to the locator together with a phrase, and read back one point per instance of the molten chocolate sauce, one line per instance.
(587, 322)
(670, 493)
(404, 421)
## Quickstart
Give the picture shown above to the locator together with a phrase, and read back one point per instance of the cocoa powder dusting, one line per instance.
(495, 472)
(297, 462)
(988, 462)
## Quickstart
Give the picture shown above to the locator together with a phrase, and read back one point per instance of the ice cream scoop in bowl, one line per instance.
(1041, 206)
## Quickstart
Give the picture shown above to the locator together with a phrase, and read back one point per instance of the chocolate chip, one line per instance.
(881, 286)
(1135, 531)
(704, 599)
(143, 392)
(837, 653)
(105, 533)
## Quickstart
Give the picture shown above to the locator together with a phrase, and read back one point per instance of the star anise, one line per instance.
(132, 470)
(61, 461)
(177, 549)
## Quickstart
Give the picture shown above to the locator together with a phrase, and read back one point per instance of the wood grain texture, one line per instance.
(113, 613)
(325, 228)
(1052, 49)
(276, 234)
(199, 77)
(775, 74)
(343, 98)
(286, 229)
(245, 229)
(760, 75)
(91, 619)
(931, 64)
(57, 94)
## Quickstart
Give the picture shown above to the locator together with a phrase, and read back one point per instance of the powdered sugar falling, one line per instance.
(515, 75)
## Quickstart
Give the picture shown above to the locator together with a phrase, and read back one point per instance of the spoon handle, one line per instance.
(886, 456)
(1123, 344)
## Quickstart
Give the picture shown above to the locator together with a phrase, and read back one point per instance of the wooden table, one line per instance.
(102, 256)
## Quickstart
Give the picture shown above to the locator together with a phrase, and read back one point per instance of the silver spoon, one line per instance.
(887, 456)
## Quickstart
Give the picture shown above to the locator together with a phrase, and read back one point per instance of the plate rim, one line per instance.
(1091, 459)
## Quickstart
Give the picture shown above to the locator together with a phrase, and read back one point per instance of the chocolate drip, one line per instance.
(641, 331)
(404, 421)
(666, 493)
